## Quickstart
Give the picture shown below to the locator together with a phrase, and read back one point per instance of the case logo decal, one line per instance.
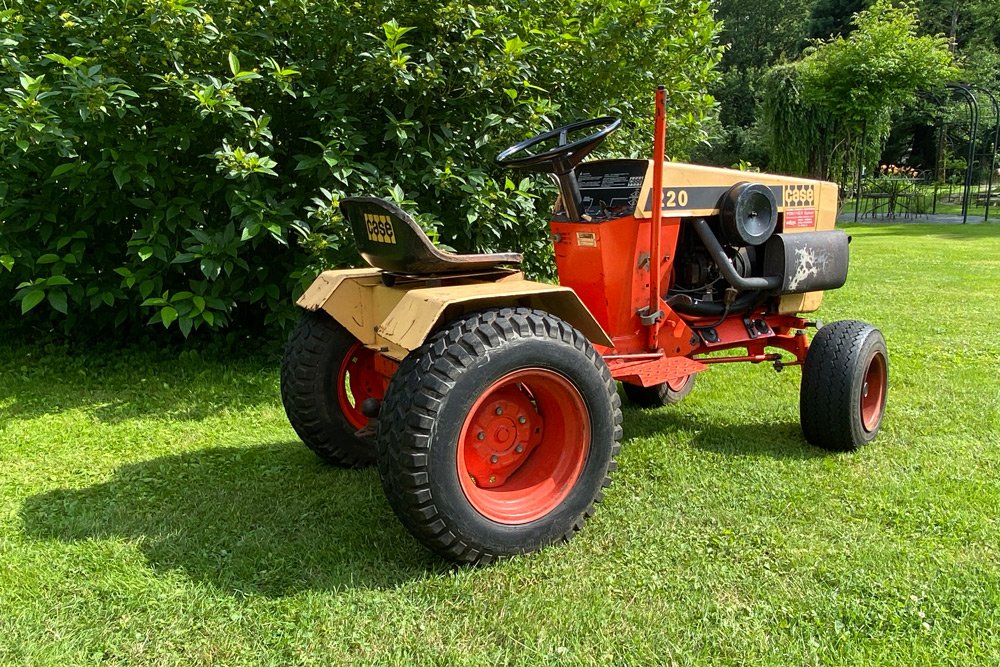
(379, 228)
(800, 196)
(800, 206)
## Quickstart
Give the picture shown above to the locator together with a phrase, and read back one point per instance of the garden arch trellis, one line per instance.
(966, 93)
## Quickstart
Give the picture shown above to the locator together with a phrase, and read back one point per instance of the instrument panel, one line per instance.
(611, 188)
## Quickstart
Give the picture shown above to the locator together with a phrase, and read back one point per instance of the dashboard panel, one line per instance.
(611, 188)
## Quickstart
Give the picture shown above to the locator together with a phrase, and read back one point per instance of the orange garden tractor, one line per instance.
(489, 402)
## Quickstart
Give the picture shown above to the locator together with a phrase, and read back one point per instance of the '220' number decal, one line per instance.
(675, 199)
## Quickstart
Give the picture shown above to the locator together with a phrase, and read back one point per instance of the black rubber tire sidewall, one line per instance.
(445, 485)
(309, 371)
(659, 395)
(832, 382)
(468, 535)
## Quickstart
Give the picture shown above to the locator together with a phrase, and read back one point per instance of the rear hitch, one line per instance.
(370, 407)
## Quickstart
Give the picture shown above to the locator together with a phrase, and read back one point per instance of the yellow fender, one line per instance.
(397, 320)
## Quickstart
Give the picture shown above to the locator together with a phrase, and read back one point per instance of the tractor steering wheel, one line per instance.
(564, 157)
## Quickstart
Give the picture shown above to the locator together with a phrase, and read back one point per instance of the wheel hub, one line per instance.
(357, 381)
(507, 429)
(523, 446)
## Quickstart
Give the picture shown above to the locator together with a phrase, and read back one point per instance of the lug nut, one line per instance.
(522, 420)
(494, 459)
(481, 435)
(493, 479)
(519, 449)
(499, 410)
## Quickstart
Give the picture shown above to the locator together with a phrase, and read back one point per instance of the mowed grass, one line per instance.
(159, 510)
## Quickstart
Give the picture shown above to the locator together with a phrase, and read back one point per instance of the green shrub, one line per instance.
(180, 161)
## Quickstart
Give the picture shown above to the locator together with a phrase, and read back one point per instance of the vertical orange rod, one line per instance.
(655, 255)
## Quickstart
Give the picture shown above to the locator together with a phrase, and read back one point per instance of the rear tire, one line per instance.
(659, 395)
(498, 436)
(325, 375)
(845, 383)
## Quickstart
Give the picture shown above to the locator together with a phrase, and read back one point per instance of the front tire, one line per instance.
(845, 383)
(498, 436)
(660, 395)
(325, 375)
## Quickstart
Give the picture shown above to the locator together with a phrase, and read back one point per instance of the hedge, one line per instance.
(179, 162)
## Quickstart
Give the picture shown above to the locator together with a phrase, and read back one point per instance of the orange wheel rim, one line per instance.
(678, 383)
(357, 380)
(523, 446)
(873, 392)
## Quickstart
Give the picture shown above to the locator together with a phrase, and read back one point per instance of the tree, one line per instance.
(834, 18)
(879, 67)
(849, 87)
(965, 22)
(757, 34)
(973, 31)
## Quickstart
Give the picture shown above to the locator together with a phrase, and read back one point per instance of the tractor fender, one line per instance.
(398, 319)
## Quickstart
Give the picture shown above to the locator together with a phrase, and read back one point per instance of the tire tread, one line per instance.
(406, 424)
(825, 398)
(316, 338)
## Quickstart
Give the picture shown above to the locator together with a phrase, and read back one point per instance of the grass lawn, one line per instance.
(159, 510)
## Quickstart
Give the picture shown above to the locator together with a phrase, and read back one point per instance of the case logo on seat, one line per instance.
(379, 228)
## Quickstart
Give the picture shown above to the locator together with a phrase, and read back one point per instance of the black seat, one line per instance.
(390, 240)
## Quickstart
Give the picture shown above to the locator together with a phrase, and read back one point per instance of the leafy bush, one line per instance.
(180, 161)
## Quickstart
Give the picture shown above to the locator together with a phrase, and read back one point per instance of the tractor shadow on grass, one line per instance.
(780, 440)
(267, 520)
